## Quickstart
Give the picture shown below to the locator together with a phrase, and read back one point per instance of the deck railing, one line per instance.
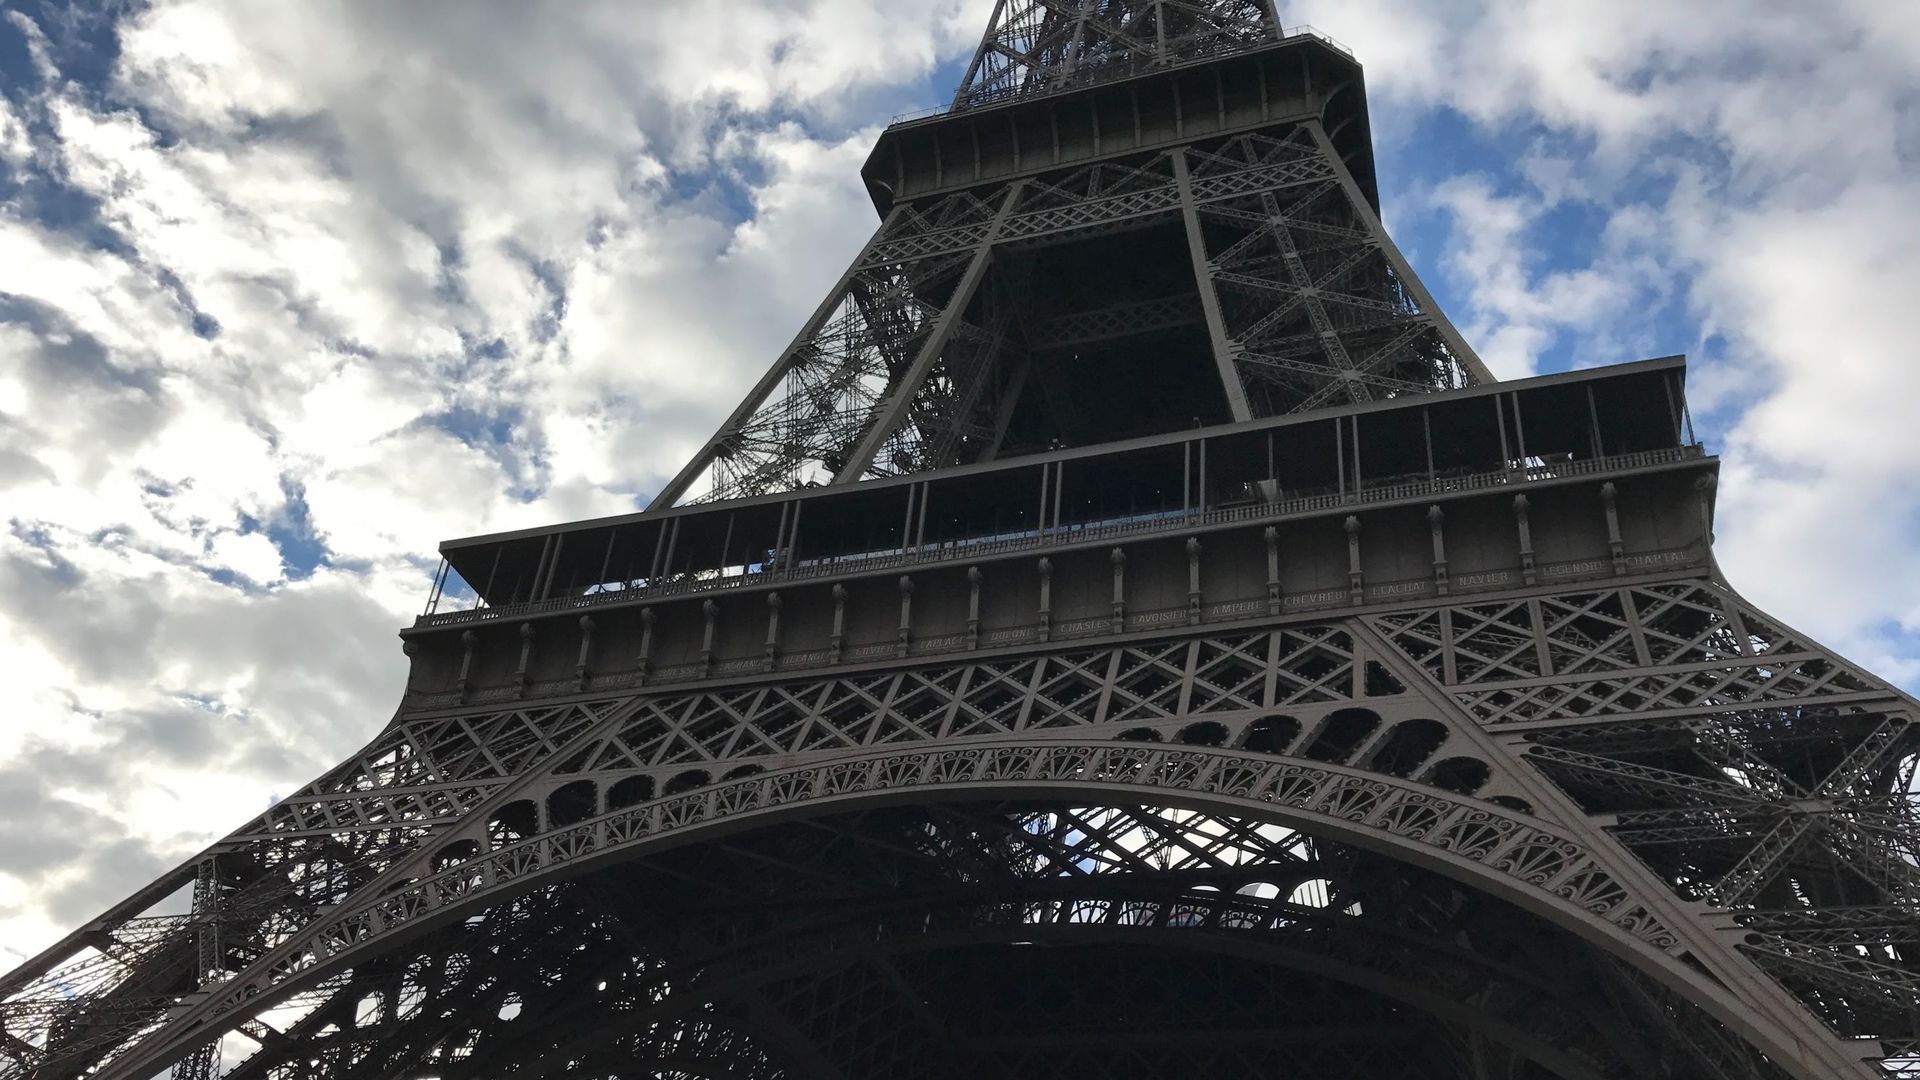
(1062, 535)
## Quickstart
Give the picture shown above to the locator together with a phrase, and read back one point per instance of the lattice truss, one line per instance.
(951, 941)
(857, 349)
(1042, 46)
(1315, 311)
(1755, 772)
(919, 359)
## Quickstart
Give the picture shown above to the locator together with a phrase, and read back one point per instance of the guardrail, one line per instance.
(1101, 73)
(1132, 525)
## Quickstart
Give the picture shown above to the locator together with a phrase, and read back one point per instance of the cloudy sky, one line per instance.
(291, 292)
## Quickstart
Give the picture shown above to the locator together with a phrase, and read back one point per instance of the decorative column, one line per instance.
(903, 641)
(838, 638)
(586, 650)
(1356, 587)
(1520, 507)
(1436, 521)
(643, 664)
(1046, 599)
(972, 606)
(712, 612)
(520, 677)
(1609, 496)
(772, 654)
(1118, 558)
(1272, 537)
(1193, 581)
(467, 641)
(974, 577)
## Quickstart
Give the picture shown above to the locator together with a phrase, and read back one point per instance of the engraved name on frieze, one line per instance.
(1574, 569)
(1316, 599)
(1232, 608)
(1148, 619)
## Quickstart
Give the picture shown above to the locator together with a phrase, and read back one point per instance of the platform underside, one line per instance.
(1005, 940)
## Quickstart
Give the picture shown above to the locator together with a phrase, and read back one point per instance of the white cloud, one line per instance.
(393, 273)
(1761, 164)
(377, 276)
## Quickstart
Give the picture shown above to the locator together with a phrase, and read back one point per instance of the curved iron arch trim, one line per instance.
(1479, 844)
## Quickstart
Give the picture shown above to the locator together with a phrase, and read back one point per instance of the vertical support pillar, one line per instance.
(1046, 599)
(1436, 521)
(1356, 585)
(1593, 424)
(778, 560)
(540, 569)
(643, 663)
(772, 653)
(553, 566)
(1340, 457)
(1118, 557)
(520, 677)
(483, 600)
(468, 639)
(903, 640)
(1521, 505)
(1046, 482)
(1209, 299)
(711, 610)
(1272, 537)
(791, 557)
(439, 583)
(1193, 581)
(606, 562)
(974, 577)
(1609, 496)
(1059, 486)
(838, 639)
(586, 653)
(1426, 430)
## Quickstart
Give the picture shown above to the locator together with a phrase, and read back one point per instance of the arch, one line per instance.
(1271, 734)
(1407, 746)
(686, 781)
(1204, 733)
(1481, 845)
(1341, 733)
(630, 791)
(572, 803)
(1140, 734)
(742, 771)
(1464, 775)
(454, 854)
(512, 823)
(1187, 923)
(1313, 892)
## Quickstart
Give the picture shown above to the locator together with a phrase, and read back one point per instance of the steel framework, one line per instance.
(1390, 723)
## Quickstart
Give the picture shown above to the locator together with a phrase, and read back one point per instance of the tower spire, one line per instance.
(1138, 215)
(1045, 46)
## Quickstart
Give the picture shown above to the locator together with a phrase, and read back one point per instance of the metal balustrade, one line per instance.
(1128, 526)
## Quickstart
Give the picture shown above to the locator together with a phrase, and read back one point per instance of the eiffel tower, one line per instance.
(1127, 633)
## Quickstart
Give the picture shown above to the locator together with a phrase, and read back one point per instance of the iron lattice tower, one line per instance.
(1126, 634)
